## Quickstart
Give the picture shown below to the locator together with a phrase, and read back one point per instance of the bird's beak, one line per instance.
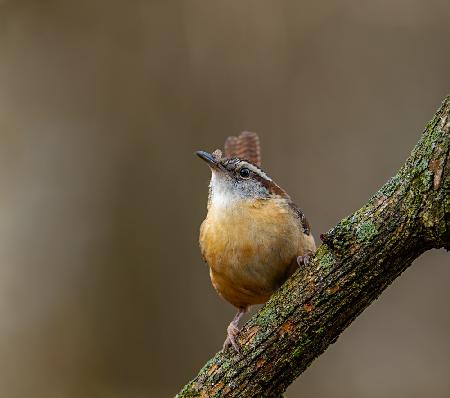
(208, 158)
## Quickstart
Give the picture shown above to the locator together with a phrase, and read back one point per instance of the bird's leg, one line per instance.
(304, 259)
(233, 331)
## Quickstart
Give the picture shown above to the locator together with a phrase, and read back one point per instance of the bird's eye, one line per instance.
(244, 172)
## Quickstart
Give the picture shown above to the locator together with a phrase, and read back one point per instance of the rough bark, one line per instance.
(358, 259)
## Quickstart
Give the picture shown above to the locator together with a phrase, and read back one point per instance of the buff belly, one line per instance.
(251, 249)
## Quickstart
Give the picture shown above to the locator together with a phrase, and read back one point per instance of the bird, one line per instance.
(253, 237)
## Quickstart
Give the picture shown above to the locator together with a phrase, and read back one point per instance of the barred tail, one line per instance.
(245, 146)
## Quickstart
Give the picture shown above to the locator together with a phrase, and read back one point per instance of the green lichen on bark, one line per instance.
(366, 231)
(326, 258)
(359, 258)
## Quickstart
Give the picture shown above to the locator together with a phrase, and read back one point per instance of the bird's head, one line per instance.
(235, 179)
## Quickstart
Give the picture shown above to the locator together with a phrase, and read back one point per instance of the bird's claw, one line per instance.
(231, 340)
(304, 259)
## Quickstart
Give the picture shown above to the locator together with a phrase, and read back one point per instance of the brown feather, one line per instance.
(230, 147)
(303, 221)
(246, 146)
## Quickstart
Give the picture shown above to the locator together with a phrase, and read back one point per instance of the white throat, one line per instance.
(223, 193)
(226, 192)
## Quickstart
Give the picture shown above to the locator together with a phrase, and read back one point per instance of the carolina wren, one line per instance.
(254, 236)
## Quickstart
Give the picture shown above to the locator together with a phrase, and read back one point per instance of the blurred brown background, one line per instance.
(102, 104)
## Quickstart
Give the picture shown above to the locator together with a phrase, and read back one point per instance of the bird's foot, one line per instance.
(233, 331)
(231, 340)
(304, 260)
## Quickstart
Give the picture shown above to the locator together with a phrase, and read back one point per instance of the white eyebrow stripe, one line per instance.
(256, 170)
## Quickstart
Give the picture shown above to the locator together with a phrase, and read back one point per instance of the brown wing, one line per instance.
(301, 218)
(246, 146)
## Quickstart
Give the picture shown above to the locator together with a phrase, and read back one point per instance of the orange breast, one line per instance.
(251, 248)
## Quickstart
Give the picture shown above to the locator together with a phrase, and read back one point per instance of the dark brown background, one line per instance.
(102, 104)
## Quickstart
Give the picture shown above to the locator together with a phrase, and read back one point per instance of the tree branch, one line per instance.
(359, 258)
